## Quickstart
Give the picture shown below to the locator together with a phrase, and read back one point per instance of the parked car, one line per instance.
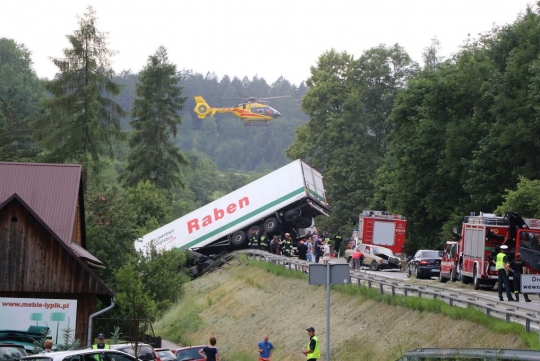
(11, 352)
(487, 354)
(81, 355)
(376, 257)
(165, 354)
(189, 354)
(145, 352)
(424, 264)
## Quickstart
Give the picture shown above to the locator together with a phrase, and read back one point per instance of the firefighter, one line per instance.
(287, 245)
(254, 239)
(501, 265)
(263, 242)
(337, 244)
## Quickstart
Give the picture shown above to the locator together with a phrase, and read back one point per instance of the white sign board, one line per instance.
(530, 284)
(20, 314)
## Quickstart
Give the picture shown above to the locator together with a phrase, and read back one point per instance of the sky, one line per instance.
(251, 38)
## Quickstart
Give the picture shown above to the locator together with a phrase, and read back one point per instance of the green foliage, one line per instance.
(525, 199)
(133, 301)
(82, 121)
(151, 205)
(20, 97)
(153, 156)
(115, 335)
(348, 102)
(111, 228)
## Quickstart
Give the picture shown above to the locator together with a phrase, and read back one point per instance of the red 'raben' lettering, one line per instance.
(193, 224)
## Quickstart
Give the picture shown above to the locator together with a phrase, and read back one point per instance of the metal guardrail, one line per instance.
(513, 313)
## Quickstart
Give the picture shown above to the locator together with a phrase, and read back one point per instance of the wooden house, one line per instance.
(43, 252)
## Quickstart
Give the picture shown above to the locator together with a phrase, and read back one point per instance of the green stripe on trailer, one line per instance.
(243, 218)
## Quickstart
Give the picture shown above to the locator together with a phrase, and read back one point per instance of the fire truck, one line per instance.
(382, 229)
(450, 259)
(481, 237)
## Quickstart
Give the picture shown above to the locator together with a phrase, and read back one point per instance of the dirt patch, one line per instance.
(239, 305)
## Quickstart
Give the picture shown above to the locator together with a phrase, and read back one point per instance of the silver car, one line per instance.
(81, 355)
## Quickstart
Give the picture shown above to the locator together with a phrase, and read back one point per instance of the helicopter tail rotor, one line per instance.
(202, 109)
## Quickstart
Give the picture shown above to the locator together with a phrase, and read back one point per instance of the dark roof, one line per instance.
(50, 190)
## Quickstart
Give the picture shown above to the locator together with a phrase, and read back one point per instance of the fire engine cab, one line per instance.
(382, 229)
(481, 237)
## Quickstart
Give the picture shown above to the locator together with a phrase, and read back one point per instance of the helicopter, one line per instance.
(253, 111)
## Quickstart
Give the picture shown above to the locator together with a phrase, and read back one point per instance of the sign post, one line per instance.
(530, 284)
(329, 274)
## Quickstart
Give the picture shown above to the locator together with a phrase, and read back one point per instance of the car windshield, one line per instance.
(191, 354)
(11, 353)
(381, 250)
(430, 254)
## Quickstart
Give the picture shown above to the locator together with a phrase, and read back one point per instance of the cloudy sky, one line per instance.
(247, 38)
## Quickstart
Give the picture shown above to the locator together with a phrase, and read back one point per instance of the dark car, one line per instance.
(189, 354)
(11, 352)
(145, 352)
(165, 354)
(425, 264)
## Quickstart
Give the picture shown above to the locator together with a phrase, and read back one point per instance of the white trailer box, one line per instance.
(285, 200)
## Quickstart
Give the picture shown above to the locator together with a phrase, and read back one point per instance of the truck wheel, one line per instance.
(292, 214)
(271, 225)
(257, 228)
(476, 282)
(238, 239)
(442, 279)
(374, 265)
(453, 275)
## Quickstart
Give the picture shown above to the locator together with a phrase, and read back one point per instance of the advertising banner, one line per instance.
(28, 316)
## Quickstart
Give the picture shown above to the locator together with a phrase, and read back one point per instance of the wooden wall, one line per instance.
(33, 264)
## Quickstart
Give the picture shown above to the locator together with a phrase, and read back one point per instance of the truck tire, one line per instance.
(453, 275)
(442, 279)
(257, 228)
(271, 225)
(238, 239)
(292, 214)
(476, 282)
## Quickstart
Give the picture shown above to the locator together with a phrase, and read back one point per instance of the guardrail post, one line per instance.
(507, 314)
(369, 283)
(359, 282)
(381, 286)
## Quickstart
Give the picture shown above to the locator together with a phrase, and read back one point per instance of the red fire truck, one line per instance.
(382, 229)
(481, 237)
(450, 259)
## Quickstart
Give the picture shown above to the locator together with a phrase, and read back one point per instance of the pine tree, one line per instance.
(82, 121)
(155, 118)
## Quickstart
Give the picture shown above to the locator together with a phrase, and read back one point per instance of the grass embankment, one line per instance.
(240, 304)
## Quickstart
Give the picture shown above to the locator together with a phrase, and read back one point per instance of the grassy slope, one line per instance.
(241, 304)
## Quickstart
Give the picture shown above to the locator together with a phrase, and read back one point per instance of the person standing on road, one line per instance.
(357, 259)
(326, 253)
(211, 353)
(337, 244)
(263, 242)
(501, 265)
(287, 245)
(274, 245)
(265, 349)
(517, 267)
(101, 343)
(318, 249)
(313, 351)
(301, 249)
(309, 254)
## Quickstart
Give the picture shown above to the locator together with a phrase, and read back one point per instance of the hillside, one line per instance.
(240, 304)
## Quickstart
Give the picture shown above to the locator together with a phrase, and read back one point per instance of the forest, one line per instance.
(432, 141)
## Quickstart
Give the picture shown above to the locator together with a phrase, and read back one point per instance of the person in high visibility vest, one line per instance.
(313, 350)
(263, 242)
(101, 342)
(287, 245)
(254, 239)
(337, 244)
(501, 265)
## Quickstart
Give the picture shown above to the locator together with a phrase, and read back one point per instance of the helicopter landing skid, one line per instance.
(256, 124)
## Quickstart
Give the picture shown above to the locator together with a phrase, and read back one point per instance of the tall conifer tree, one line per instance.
(82, 121)
(155, 118)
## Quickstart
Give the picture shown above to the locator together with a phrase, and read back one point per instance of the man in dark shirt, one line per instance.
(301, 250)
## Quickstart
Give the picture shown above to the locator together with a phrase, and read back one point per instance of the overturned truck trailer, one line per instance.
(285, 200)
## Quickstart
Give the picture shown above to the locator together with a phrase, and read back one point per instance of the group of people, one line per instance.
(505, 269)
